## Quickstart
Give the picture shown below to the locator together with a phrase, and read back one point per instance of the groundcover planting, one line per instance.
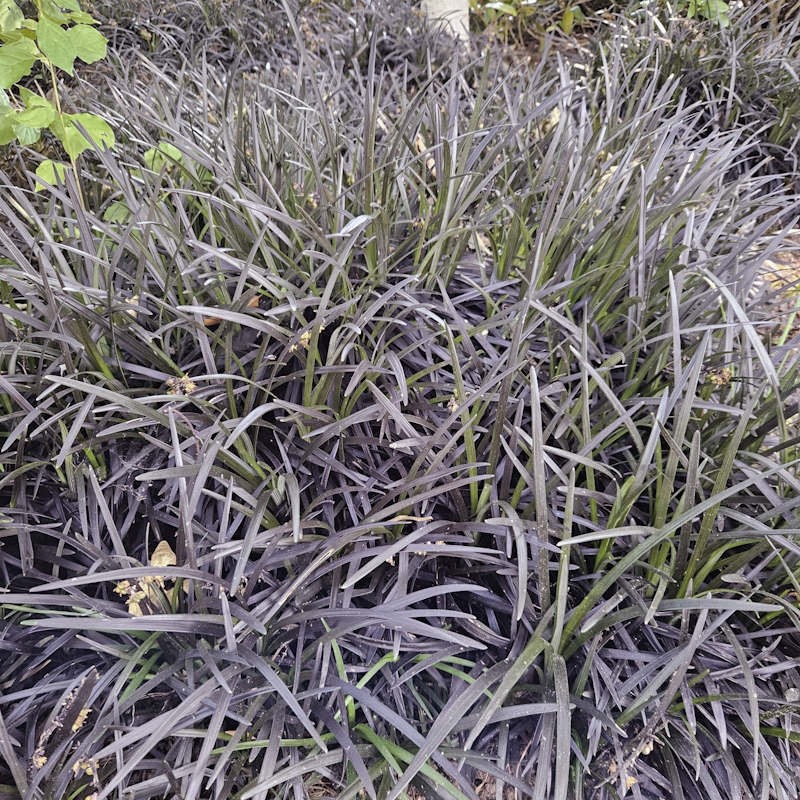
(382, 420)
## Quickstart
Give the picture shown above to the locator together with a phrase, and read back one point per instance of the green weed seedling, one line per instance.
(516, 19)
(712, 10)
(60, 33)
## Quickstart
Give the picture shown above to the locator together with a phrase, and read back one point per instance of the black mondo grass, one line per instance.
(400, 426)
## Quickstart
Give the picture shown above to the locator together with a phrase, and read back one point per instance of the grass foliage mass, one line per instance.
(382, 420)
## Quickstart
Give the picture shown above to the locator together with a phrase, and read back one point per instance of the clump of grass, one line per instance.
(743, 77)
(447, 401)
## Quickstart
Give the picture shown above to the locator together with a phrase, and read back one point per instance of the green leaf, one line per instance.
(55, 43)
(7, 134)
(166, 154)
(568, 20)
(117, 212)
(26, 134)
(57, 126)
(74, 142)
(503, 8)
(82, 17)
(63, 45)
(89, 44)
(53, 172)
(69, 11)
(53, 10)
(10, 16)
(16, 60)
(97, 129)
(39, 111)
(713, 10)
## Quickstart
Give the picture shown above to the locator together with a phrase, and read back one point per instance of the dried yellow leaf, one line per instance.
(134, 594)
(134, 609)
(163, 556)
(421, 147)
(81, 719)
(181, 386)
(85, 766)
(135, 597)
(720, 377)
(146, 588)
(134, 302)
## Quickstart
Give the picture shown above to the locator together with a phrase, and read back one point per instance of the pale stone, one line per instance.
(454, 13)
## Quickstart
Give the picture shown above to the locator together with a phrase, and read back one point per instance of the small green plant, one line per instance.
(508, 19)
(60, 33)
(712, 10)
(514, 19)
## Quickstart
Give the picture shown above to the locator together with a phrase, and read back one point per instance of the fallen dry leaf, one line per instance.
(163, 556)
